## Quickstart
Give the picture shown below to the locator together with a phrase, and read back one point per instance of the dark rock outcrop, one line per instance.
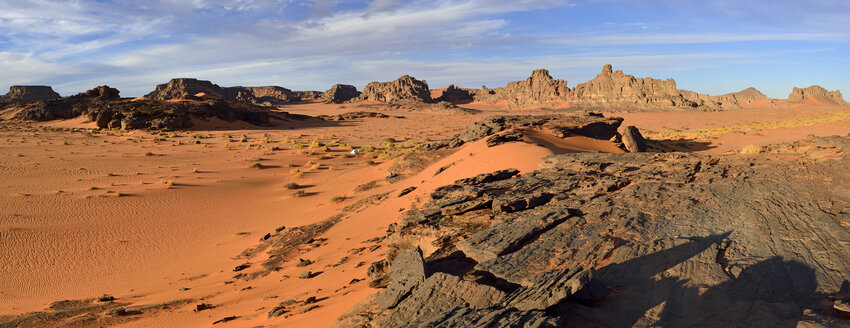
(147, 114)
(27, 93)
(403, 89)
(539, 90)
(454, 94)
(340, 93)
(353, 116)
(678, 240)
(309, 95)
(103, 92)
(614, 89)
(817, 95)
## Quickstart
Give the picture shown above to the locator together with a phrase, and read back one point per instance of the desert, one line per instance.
(614, 199)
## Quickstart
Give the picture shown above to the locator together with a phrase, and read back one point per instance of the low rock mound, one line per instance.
(622, 240)
(340, 93)
(818, 95)
(308, 95)
(746, 97)
(403, 89)
(25, 93)
(539, 90)
(353, 116)
(614, 89)
(589, 124)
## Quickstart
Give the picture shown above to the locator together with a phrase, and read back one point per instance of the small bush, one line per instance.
(299, 194)
(751, 149)
(257, 165)
(291, 186)
(338, 199)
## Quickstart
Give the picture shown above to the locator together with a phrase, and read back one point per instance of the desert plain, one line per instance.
(402, 205)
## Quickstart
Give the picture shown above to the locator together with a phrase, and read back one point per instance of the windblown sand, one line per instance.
(154, 218)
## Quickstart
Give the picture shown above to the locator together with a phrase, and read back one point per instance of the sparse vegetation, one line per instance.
(338, 199)
(751, 149)
(291, 186)
(299, 194)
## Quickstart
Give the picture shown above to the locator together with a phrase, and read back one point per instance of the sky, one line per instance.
(709, 46)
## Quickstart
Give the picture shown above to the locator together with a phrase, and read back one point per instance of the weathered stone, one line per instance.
(501, 239)
(633, 140)
(746, 97)
(407, 271)
(552, 288)
(439, 294)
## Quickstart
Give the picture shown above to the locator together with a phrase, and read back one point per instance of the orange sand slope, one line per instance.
(157, 218)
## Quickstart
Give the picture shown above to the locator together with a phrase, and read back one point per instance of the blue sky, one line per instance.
(710, 46)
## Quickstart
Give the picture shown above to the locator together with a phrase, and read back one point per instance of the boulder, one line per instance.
(816, 95)
(28, 93)
(539, 90)
(403, 89)
(340, 93)
(633, 140)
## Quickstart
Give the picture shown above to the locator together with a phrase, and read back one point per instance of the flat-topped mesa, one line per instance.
(26, 93)
(182, 88)
(816, 95)
(747, 97)
(539, 90)
(403, 89)
(616, 89)
(340, 93)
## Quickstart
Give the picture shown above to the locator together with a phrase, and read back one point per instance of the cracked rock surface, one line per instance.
(636, 239)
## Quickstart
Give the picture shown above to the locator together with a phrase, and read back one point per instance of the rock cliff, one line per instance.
(183, 88)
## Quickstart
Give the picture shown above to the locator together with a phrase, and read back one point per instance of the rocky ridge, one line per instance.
(185, 88)
(102, 106)
(817, 94)
(640, 239)
(25, 93)
(615, 89)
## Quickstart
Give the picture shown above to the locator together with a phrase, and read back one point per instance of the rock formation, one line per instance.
(111, 112)
(304, 95)
(539, 90)
(340, 93)
(403, 89)
(614, 89)
(817, 95)
(25, 93)
(746, 97)
(184, 88)
(454, 94)
(589, 124)
(622, 240)
(103, 92)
